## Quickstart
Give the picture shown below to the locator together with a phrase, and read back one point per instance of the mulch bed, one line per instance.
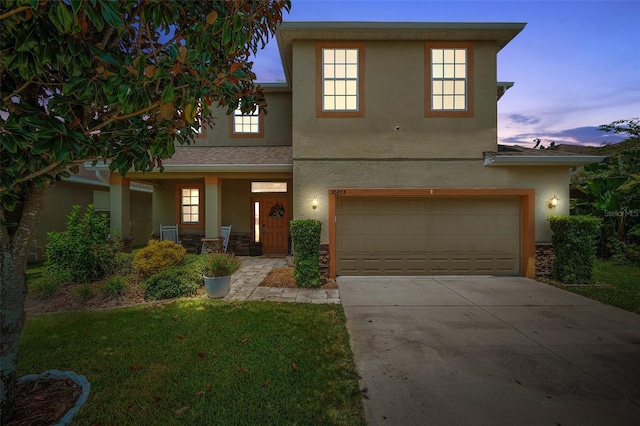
(44, 401)
(283, 277)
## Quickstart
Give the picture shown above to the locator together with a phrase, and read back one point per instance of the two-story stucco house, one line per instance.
(387, 134)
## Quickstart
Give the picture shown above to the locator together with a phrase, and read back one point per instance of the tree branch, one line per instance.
(49, 168)
(122, 117)
(20, 89)
(13, 12)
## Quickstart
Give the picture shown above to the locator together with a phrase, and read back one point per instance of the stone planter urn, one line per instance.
(217, 271)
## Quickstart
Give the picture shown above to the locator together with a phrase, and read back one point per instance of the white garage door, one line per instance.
(428, 236)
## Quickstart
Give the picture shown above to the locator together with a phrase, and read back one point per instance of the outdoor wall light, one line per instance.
(553, 202)
(314, 203)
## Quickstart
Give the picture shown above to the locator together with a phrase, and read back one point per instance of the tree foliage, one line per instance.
(611, 189)
(118, 81)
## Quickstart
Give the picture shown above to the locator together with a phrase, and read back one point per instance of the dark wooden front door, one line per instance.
(271, 224)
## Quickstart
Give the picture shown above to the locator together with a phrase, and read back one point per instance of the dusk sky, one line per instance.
(576, 64)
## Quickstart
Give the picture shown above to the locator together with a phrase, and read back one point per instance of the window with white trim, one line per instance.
(244, 124)
(449, 79)
(190, 206)
(340, 79)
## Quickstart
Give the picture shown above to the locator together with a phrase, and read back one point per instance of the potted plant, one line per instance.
(217, 271)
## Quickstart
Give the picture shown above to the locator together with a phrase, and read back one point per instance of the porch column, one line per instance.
(120, 204)
(212, 206)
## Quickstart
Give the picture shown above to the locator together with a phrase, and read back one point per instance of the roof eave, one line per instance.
(536, 160)
(503, 86)
(218, 168)
(500, 32)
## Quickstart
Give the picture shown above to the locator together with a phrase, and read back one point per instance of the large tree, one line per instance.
(111, 80)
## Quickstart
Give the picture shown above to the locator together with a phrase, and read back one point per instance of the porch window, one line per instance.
(189, 206)
(449, 81)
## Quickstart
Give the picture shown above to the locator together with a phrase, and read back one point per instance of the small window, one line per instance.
(340, 91)
(449, 79)
(249, 125)
(258, 187)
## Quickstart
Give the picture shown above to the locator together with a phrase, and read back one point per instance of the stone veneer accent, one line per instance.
(544, 260)
(239, 243)
(323, 261)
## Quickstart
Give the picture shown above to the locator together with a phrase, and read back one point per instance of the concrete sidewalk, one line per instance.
(490, 351)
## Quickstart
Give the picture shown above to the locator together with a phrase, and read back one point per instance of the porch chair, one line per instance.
(225, 232)
(169, 232)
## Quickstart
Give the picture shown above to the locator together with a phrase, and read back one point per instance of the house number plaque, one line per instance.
(338, 192)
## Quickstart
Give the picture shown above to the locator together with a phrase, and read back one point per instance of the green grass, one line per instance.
(229, 363)
(624, 280)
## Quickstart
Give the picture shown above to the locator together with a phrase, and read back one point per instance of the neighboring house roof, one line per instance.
(520, 156)
(228, 159)
(502, 33)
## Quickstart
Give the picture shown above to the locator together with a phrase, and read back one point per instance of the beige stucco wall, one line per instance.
(317, 177)
(394, 96)
(277, 125)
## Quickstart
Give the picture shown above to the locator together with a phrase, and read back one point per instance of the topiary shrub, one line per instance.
(574, 244)
(306, 242)
(175, 281)
(86, 250)
(156, 256)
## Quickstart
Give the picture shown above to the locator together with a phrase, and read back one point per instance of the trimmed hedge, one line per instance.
(574, 244)
(306, 242)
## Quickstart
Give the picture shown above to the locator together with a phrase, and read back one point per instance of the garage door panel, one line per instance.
(418, 236)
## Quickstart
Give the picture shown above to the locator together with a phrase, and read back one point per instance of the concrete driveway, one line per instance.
(490, 351)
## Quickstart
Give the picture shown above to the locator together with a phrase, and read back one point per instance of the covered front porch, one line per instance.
(204, 188)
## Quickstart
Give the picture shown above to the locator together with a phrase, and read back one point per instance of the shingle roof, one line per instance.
(230, 155)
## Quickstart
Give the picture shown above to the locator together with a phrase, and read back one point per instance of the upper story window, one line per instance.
(340, 80)
(449, 82)
(250, 125)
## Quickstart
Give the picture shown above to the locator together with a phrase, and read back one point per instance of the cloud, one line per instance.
(523, 119)
(589, 135)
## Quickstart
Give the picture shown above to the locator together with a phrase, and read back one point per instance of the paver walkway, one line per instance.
(245, 284)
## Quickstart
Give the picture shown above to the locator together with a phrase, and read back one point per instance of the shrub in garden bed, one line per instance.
(156, 256)
(86, 250)
(574, 244)
(306, 242)
(175, 281)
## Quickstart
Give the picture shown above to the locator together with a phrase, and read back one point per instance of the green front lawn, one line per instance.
(198, 361)
(624, 282)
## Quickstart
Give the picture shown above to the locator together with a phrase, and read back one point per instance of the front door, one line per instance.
(271, 224)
